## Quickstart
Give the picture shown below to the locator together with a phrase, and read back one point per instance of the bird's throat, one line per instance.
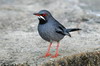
(42, 21)
(41, 17)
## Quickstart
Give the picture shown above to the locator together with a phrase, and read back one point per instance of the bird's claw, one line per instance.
(54, 56)
(47, 54)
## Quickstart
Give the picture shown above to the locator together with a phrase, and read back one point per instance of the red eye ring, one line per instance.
(44, 14)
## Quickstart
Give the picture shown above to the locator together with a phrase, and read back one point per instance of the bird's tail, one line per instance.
(71, 30)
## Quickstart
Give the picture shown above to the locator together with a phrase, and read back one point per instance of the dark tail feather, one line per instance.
(73, 29)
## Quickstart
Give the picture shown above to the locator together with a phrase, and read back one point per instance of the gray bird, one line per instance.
(51, 30)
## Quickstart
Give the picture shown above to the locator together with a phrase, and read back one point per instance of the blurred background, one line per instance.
(19, 38)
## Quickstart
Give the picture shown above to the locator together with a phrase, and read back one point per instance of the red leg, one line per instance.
(56, 54)
(48, 51)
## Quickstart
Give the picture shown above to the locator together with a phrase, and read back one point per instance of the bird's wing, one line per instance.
(60, 29)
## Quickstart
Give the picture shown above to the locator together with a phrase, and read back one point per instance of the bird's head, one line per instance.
(43, 14)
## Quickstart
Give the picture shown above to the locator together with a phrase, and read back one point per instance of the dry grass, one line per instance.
(24, 64)
(83, 59)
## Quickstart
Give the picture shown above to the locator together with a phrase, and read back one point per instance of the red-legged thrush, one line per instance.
(51, 30)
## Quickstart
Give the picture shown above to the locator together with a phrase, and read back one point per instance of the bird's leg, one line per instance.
(56, 54)
(48, 51)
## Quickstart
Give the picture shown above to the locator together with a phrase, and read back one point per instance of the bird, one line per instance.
(51, 30)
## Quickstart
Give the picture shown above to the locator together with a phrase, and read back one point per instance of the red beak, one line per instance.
(37, 14)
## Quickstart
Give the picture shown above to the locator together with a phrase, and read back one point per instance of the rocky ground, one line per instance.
(20, 41)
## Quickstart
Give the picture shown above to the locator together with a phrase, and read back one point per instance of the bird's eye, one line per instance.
(44, 14)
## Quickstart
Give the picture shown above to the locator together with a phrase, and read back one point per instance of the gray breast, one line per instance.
(48, 33)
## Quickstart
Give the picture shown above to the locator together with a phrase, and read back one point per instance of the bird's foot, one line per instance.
(47, 54)
(54, 56)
